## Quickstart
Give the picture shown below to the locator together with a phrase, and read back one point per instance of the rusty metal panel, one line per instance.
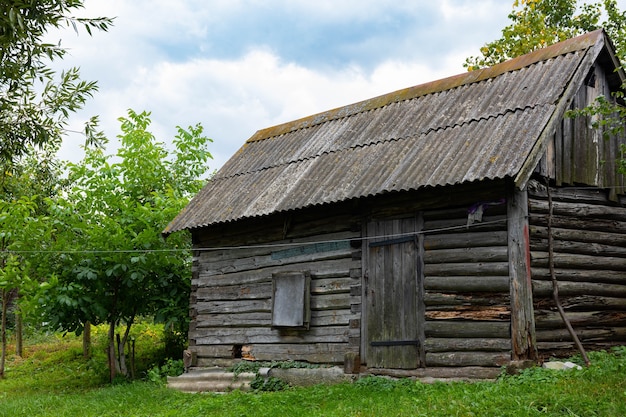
(463, 129)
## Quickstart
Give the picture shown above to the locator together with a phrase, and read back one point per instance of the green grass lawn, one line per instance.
(53, 379)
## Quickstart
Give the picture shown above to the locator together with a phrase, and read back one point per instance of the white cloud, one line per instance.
(162, 56)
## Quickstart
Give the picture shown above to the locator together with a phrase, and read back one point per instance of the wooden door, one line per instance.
(392, 290)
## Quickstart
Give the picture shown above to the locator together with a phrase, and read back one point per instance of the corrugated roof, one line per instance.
(478, 125)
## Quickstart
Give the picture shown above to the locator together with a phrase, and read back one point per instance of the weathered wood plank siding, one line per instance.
(589, 252)
(232, 291)
(581, 154)
(466, 288)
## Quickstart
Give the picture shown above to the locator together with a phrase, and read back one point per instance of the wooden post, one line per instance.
(523, 342)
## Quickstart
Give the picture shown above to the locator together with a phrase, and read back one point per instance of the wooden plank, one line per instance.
(522, 316)
(467, 255)
(469, 329)
(466, 284)
(434, 344)
(467, 359)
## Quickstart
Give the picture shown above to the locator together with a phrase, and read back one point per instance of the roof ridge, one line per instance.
(578, 43)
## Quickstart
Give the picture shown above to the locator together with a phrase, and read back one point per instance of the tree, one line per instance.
(536, 24)
(121, 267)
(34, 104)
(19, 231)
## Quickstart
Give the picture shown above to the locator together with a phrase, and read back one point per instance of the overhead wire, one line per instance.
(257, 246)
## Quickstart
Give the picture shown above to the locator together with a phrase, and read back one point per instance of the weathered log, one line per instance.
(467, 269)
(581, 248)
(465, 240)
(568, 288)
(580, 275)
(470, 329)
(455, 225)
(584, 303)
(331, 285)
(313, 352)
(579, 209)
(546, 319)
(331, 301)
(329, 268)
(235, 292)
(484, 313)
(611, 333)
(329, 334)
(467, 359)
(568, 194)
(466, 284)
(467, 255)
(433, 344)
(435, 299)
(234, 320)
(233, 306)
(576, 261)
(269, 260)
(444, 373)
(561, 222)
(576, 235)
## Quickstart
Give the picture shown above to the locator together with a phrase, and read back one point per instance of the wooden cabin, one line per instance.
(419, 233)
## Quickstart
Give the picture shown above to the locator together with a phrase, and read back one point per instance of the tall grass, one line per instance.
(54, 380)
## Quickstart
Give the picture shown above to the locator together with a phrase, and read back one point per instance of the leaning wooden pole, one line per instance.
(555, 284)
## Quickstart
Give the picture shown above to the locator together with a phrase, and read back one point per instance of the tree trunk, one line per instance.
(87, 340)
(111, 352)
(3, 330)
(121, 354)
(19, 333)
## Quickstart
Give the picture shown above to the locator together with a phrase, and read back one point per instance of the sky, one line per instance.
(237, 66)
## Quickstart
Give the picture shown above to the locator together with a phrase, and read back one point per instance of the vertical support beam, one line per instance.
(523, 341)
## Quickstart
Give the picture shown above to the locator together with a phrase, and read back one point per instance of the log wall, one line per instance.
(466, 289)
(231, 302)
(589, 253)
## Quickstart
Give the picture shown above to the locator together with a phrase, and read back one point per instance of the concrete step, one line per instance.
(211, 380)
